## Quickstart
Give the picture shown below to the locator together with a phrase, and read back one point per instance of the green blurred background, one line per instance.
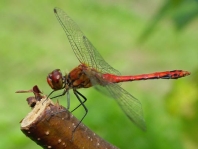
(134, 37)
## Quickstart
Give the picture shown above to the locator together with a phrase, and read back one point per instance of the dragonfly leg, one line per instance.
(64, 92)
(48, 96)
(78, 94)
(85, 99)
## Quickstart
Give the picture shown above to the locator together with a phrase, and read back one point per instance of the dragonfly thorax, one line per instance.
(77, 78)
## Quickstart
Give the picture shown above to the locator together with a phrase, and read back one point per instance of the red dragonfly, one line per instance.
(95, 71)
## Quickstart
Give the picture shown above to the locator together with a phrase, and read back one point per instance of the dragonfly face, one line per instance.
(56, 80)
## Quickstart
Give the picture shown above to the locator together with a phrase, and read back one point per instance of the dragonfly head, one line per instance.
(55, 80)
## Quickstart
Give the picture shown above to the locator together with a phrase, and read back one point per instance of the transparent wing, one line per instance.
(82, 47)
(87, 54)
(129, 104)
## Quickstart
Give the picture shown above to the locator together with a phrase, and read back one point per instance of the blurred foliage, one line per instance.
(180, 12)
(33, 44)
(182, 103)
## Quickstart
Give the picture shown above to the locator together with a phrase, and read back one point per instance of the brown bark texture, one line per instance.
(51, 126)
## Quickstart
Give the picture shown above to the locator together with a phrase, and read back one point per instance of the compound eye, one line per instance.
(55, 79)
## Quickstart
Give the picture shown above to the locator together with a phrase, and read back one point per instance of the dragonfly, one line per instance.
(93, 70)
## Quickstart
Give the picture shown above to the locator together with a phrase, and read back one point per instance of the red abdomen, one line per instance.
(175, 74)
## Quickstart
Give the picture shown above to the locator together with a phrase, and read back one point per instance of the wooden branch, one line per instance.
(50, 126)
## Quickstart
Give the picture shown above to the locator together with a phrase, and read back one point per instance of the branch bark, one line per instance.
(50, 126)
